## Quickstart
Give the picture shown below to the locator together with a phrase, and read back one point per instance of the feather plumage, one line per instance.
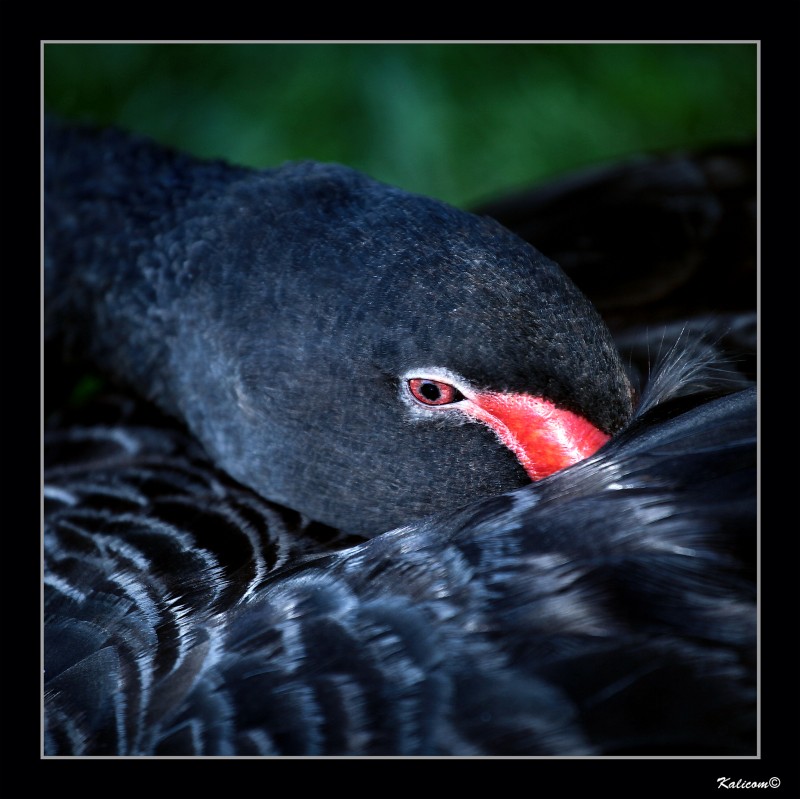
(609, 609)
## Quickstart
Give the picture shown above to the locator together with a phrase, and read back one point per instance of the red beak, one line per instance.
(543, 437)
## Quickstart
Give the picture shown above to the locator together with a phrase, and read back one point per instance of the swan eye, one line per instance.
(433, 392)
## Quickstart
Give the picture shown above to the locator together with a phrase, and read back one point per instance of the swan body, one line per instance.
(326, 547)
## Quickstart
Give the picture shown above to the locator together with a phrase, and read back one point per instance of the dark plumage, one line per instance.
(277, 313)
(663, 244)
(607, 609)
(652, 237)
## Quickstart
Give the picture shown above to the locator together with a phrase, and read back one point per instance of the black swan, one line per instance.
(342, 552)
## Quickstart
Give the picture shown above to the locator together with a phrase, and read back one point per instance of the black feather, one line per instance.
(275, 312)
(609, 609)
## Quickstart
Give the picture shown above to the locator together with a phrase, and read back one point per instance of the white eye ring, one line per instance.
(453, 390)
(434, 393)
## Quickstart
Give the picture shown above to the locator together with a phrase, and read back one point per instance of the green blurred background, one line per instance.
(462, 122)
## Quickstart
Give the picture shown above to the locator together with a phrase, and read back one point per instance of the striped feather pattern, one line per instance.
(607, 610)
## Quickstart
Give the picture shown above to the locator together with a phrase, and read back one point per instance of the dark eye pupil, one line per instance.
(430, 391)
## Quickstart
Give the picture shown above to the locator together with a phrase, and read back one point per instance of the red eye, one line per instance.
(433, 392)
